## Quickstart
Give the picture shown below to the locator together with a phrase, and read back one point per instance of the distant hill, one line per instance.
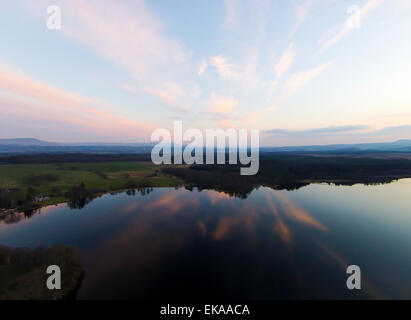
(26, 142)
(28, 145)
(397, 146)
(35, 146)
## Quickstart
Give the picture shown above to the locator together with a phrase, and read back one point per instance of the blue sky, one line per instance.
(297, 70)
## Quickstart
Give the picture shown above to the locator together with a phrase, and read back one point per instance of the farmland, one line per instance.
(22, 185)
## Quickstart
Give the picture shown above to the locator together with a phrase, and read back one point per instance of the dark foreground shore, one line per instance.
(23, 273)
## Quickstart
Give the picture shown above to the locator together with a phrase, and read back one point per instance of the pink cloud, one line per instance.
(222, 105)
(172, 94)
(128, 35)
(124, 32)
(301, 79)
(224, 68)
(285, 61)
(34, 100)
(202, 68)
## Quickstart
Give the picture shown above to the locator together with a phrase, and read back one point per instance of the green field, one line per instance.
(57, 179)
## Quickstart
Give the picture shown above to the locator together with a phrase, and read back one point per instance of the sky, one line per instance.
(301, 71)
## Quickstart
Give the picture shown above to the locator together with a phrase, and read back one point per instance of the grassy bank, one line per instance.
(76, 179)
(31, 185)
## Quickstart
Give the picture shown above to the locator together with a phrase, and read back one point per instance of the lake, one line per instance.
(170, 243)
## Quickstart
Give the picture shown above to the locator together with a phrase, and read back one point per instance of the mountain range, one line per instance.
(30, 145)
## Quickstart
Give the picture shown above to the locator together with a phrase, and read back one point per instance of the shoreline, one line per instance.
(336, 182)
(8, 211)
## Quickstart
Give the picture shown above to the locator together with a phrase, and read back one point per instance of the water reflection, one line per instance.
(142, 191)
(274, 244)
(18, 216)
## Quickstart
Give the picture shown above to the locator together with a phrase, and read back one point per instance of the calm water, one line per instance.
(274, 244)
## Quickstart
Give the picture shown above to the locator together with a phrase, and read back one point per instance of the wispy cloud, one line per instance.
(222, 105)
(128, 88)
(126, 33)
(147, 51)
(337, 135)
(172, 95)
(298, 80)
(224, 112)
(28, 98)
(231, 14)
(18, 83)
(243, 73)
(303, 8)
(404, 129)
(129, 35)
(285, 61)
(202, 68)
(280, 68)
(250, 118)
(317, 131)
(221, 109)
(369, 6)
(224, 68)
